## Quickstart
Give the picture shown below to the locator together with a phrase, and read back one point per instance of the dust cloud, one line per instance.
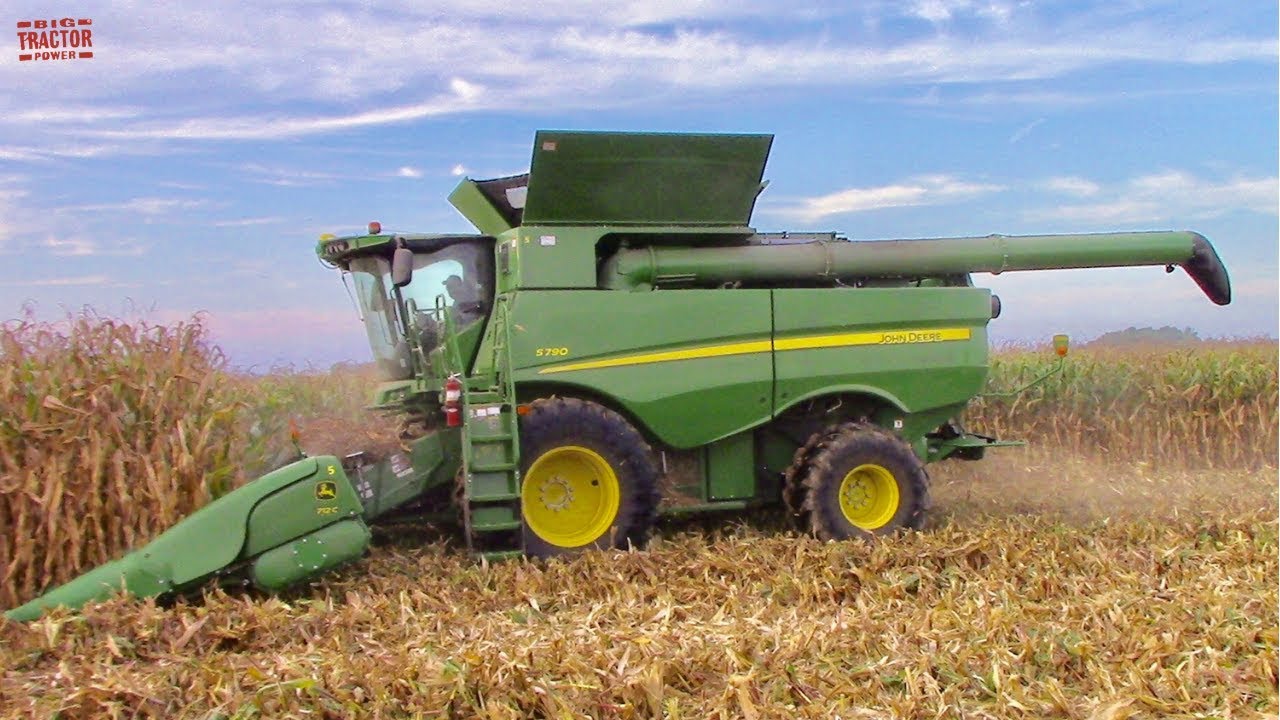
(1035, 481)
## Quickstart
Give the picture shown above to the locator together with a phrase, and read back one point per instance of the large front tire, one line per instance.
(588, 479)
(862, 481)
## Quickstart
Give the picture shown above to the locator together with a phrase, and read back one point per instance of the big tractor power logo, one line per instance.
(55, 39)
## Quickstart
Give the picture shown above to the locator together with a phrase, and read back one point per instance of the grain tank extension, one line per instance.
(617, 342)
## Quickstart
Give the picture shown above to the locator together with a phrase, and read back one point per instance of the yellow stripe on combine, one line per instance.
(810, 342)
(739, 348)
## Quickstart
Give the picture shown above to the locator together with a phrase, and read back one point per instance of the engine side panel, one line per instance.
(693, 366)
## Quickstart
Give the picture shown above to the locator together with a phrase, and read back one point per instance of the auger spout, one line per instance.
(851, 261)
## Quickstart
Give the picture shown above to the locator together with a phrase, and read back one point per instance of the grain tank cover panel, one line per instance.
(644, 178)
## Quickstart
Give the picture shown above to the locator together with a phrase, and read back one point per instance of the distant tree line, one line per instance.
(1167, 335)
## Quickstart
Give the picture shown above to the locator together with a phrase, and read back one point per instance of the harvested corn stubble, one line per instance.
(1013, 616)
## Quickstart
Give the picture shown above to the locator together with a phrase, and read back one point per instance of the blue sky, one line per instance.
(193, 162)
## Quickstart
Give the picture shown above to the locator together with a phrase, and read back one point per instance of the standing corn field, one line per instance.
(1208, 405)
(110, 433)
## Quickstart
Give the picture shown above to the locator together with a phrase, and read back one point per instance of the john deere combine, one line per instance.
(618, 333)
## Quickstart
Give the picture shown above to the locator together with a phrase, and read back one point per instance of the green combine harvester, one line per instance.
(618, 338)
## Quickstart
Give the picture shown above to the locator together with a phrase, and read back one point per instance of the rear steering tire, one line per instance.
(588, 479)
(861, 481)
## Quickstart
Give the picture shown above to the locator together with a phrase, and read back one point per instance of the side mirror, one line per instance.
(1060, 344)
(401, 267)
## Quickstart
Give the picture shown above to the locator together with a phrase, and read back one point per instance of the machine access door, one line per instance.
(916, 347)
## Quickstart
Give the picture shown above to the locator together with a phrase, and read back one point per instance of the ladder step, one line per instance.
(496, 437)
(491, 467)
(495, 497)
(498, 526)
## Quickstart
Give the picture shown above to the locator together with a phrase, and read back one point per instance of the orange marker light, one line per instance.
(375, 227)
(1060, 344)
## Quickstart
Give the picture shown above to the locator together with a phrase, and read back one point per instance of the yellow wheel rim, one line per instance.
(869, 496)
(570, 496)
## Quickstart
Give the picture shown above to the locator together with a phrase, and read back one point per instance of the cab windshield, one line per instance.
(458, 277)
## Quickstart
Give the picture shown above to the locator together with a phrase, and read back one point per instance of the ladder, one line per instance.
(491, 453)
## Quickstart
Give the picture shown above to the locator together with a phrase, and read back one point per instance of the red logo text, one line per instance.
(55, 39)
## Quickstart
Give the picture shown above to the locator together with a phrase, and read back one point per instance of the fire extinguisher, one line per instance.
(453, 401)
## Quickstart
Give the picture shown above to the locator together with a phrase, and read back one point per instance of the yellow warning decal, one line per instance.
(751, 347)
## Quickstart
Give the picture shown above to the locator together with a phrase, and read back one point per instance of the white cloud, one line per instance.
(79, 246)
(143, 206)
(45, 153)
(67, 114)
(1078, 186)
(247, 222)
(983, 96)
(937, 11)
(458, 170)
(428, 63)
(1161, 196)
(462, 98)
(61, 281)
(74, 246)
(1025, 130)
(921, 190)
(408, 172)
(9, 194)
(287, 177)
(19, 154)
(941, 11)
(466, 91)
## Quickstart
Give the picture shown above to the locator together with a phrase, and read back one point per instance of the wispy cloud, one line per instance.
(688, 52)
(942, 11)
(1161, 196)
(143, 206)
(20, 154)
(921, 190)
(46, 153)
(409, 172)
(286, 176)
(9, 194)
(60, 281)
(79, 246)
(77, 114)
(463, 96)
(984, 95)
(1069, 185)
(248, 222)
(1025, 130)
(69, 246)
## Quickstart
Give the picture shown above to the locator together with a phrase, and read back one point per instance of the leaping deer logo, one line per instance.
(326, 490)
